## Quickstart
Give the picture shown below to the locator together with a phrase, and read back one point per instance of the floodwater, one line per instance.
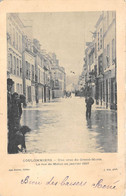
(61, 127)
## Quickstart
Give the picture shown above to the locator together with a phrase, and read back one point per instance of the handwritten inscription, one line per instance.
(100, 184)
(27, 180)
(67, 181)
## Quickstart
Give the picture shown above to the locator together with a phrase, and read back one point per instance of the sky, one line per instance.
(65, 34)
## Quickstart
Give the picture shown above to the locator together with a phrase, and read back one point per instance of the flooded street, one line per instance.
(61, 127)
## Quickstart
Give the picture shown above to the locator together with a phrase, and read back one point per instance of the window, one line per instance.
(13, 37)
(93, 57)
(14, 65)
(20, 88)
(56, 83)
(19, 43)
(10, 32)
(89, 59)
(113, 51)
(98, 41)
(33, 73)
(11, 64)
(100, 38)
(61, 76)
(39, 76)
(26, 70)
(108, 55)
(100, 64)
(17, 67)
(20, 69)
(16, 40)
(29, 73)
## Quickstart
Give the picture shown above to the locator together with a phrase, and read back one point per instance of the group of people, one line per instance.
(68, 94)
(16, 132)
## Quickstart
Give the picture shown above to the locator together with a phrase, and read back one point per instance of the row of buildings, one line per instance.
(98, 76)
(35, 73)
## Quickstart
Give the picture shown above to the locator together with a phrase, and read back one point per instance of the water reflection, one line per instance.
(62, 127)
(89, 123)
(104, 122)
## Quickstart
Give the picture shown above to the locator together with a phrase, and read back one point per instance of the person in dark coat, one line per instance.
(10, 84)
(89, 102)
(16, 110)
(18, 143)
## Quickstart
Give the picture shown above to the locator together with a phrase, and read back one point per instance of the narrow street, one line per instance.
(61, 127)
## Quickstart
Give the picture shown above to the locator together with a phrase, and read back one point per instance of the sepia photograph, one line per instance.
(61, 82)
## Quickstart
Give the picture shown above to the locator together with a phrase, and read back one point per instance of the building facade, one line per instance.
(109, 63)
(100, 61)
(14, 51)
(38, 67)
(58, 78)
(28, 64)
(35, 73)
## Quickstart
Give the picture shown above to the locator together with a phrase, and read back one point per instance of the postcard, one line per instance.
(62, 98)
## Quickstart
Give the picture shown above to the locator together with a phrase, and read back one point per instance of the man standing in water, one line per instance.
(89, 102)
